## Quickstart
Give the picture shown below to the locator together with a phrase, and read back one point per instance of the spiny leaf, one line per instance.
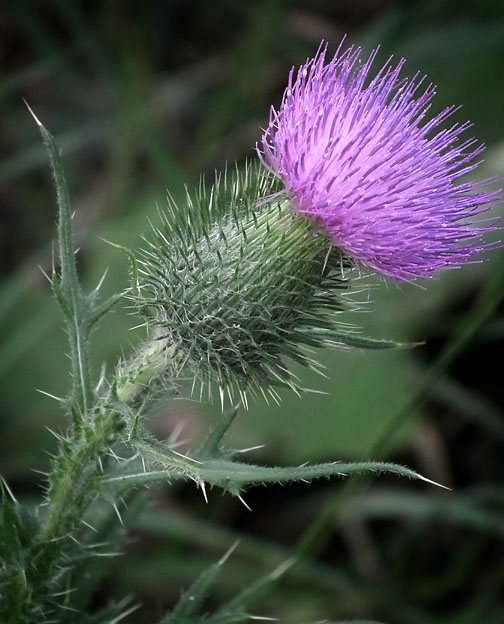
(233, 475)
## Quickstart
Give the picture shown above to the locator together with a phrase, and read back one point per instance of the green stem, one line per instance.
(73, 482)
(65, 493)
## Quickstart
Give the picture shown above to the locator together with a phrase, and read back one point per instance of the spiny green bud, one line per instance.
(237, 283)
(139, 378)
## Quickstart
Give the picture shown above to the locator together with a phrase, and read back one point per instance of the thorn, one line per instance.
(124, 614)
(116, 457)
(88, 525)
(186, 457)
(445, 487)
(51, 396)
(65, 592)
(45, 274)
(138, 326)
(282, 568)
(203, 489)
(96, 545)
(108, 554)
(244, 399)
(101, 380)
(174, 445)
(67, 608)
(9, 491)
(100, 464)
(102, 279)
(251, 448)
(118, 514)
(37, 121)
(242, 501)
(177, 430)
(56, 435)
(229, 552)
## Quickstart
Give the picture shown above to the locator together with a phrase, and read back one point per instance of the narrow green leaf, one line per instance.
(66, 286)
(69, 276)
(255, 591)
(188, 606)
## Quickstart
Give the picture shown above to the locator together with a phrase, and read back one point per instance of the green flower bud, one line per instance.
(139, 378)
(237, 284)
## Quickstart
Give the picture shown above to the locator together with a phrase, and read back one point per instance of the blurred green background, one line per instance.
(145, 96)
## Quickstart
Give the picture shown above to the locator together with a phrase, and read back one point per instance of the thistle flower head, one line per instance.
(359, 155)
(234, 285)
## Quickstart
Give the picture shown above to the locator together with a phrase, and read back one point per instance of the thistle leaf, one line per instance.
(67, 286)
(232, 475)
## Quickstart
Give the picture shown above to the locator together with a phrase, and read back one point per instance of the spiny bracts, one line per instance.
(235, 283)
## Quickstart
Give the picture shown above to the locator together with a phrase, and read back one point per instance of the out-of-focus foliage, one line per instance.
(143, 97)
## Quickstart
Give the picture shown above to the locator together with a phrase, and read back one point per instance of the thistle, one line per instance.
(245, 275)
(359, 157)
(250, 272)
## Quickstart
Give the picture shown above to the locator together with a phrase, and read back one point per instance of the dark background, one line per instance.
(146, 96)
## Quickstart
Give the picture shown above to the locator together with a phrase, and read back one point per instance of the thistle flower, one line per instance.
(359, 156)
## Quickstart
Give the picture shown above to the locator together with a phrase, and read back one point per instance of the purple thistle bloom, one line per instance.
(360, 157)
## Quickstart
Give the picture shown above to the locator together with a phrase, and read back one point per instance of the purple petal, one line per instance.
(359, 155)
